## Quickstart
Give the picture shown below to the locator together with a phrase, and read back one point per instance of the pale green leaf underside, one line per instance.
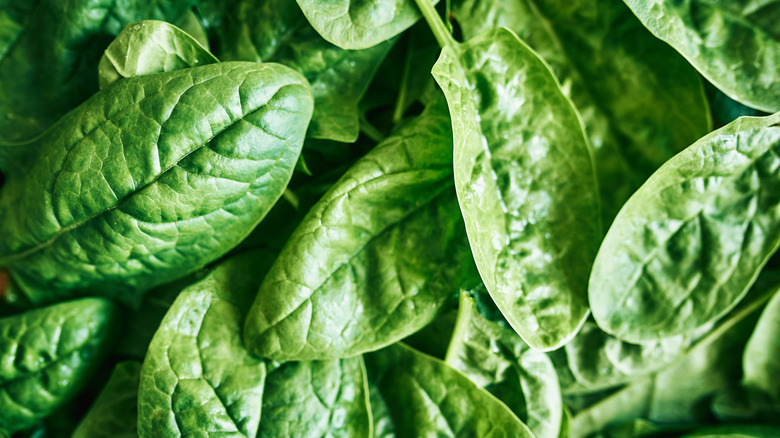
(690, 242)
(374, 259)
(150, 47)
(152, 178)
(525, 182)
(733, 43)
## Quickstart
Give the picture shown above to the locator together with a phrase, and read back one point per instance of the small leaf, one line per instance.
(115, 411)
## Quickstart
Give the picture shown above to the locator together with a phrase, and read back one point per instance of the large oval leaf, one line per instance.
(148, 47)
(374, 259)
(690, 242)
(152, 178)
(597, 50)
(425, 397)
(48, 53)
(47, 355)
(733, 43)
(525, 183)
(359, 24)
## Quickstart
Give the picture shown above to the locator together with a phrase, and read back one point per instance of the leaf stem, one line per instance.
(465, 310)
(370, 130)
(436, 24)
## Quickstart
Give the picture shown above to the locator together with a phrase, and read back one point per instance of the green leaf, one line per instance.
(737, 431)
(150, 47)
(47, 355)
(48, 53)
(496, 359)
(115, 411)
(425, 397)
(316, 399)
(760, 361)
(374, 259)
(733, 43)
(277, 31)
(525, 183)
(197, 376)
(640, 101)
(359, 24)
(191, 24)
(151, 179)
(691, 241)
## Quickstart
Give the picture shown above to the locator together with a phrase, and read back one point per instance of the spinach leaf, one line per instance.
(49, 50)
(47, 355)
(760, 361)
(737, 431)
(374, 259)
(277, 31)
(359, 24)
(496, 359)
(525, 181)
(151, 179)
(598, 50)
(322, 399)
(733, 43)
(150, 47)
(425, 397)
(115, 411)
(689, 243)
(197, 376)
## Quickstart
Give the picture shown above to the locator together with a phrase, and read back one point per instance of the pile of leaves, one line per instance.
(385, 218)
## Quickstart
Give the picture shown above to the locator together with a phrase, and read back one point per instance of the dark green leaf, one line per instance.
(425, 397)
(374, 259)
(690, 242)
(152, 178)
(640, 101)
(115, 411)
(733, 43)
(47, 355)
(525, 182)
(150, 47)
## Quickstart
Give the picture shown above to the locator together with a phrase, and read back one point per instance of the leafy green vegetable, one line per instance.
(47, 355)
(114, 201)
(374, 259)
(761, 363)
(689, 243)
(425, 397)
(525, 182)
(115, 411)
(733, 43)
(359, 24)
(597, 50)
(150, 47)
(496, 359)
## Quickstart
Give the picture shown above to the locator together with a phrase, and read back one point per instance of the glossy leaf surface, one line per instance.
(152, 178)
(525, 183)
(691, 241)
(425, 397)
(359, 24)
(47, 355)
(150, 47)
(733, 43)
(374, 259)
(115, 411)
(640, 101)
(496, 359)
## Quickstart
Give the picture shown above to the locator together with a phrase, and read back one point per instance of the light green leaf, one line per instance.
(115, 411)
(425, 397)
(640, 101)
(760, 361)
(733, 43)
(150, 47)
(47, 355)
(151, 179)
(525, 182)
(691, 241)
(374, 259)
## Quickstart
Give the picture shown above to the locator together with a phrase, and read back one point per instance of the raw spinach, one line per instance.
(115, 411)
(525, 181)
(113, 202)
